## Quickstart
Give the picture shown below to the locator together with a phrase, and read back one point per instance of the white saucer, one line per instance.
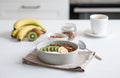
(89, 33)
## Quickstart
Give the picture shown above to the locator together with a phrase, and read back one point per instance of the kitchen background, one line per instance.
(81, 9)
(58, 9)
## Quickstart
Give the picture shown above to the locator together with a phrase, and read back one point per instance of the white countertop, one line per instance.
(12, 52)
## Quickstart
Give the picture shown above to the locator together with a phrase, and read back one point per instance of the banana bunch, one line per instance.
(27, 27)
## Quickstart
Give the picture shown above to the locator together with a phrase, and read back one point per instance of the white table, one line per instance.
(12, 52)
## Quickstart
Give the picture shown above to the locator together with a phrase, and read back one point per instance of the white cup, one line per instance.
(99, 24)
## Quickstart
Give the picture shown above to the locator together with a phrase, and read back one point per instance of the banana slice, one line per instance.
(62, 50)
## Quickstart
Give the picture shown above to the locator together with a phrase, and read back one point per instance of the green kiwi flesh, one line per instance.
(50, 48)
(32, 36)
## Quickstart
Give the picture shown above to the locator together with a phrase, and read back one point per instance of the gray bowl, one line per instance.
(57, 58)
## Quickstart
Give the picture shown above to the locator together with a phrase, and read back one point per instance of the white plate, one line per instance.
(89, 33)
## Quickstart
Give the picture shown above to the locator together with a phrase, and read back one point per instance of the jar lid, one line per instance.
(69, 27)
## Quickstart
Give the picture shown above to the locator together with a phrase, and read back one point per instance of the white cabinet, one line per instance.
(41, 9)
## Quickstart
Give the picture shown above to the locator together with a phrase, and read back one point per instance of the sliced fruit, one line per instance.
(37, 31)
(56, 48)
(23, 32)
(43, 49)
(32, 36)
(62, 50)
(53, 48)
(26, 21)
(49, 48)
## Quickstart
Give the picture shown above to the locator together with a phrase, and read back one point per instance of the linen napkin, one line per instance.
(82, 60)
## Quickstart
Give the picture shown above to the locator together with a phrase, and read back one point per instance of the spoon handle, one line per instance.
(96, 56)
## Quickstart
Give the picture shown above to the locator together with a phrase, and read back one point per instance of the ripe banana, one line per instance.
(23, 26)
(43, 29)
(26, 21)
(14, 32)
(23, 32)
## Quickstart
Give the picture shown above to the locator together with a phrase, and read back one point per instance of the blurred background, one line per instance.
(58, 9)
(81, 9)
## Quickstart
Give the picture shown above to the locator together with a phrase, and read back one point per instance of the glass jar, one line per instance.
(70, 30)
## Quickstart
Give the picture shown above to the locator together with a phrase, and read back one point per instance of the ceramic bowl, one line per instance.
(57, 36)
(57, 58)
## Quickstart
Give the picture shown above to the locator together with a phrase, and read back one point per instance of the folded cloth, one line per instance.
(83, 58)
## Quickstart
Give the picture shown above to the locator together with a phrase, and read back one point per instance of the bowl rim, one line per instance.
(76, 50)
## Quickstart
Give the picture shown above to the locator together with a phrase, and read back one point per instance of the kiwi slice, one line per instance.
(56, 48)
(42, 49)
(32, 36)
(49, 48)
(53, 48)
